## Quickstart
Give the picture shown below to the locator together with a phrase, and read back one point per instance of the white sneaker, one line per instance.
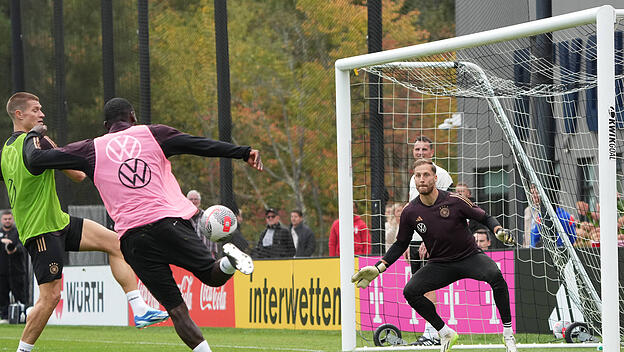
(4, 321)
(510, 343)
(239, 259)
(448, 340)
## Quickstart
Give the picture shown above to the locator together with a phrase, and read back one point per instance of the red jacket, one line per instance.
(361, 238)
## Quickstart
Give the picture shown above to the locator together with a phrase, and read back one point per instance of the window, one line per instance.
(587, 182)
(492, 194)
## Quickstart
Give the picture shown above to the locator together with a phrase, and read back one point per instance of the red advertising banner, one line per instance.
(208, 306)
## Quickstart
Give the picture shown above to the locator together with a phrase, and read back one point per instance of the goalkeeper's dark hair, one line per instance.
(117, 109)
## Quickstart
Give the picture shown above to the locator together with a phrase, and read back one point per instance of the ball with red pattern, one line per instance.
(217, 223)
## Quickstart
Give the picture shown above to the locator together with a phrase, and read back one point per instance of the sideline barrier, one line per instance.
(89, 296)
(300, 294)
(304, 294)
(208, 306)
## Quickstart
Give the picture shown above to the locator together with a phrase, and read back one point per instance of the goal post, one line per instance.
(411, 61)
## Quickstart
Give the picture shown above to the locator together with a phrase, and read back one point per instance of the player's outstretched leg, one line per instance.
(49, 296)
(239, 259)
(96, 237)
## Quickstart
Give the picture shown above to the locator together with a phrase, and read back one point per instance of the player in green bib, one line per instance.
(47, 231)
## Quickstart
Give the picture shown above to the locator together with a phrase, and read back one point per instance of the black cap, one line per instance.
(270, 210)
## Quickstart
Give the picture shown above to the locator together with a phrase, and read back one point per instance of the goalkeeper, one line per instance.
(440, 218)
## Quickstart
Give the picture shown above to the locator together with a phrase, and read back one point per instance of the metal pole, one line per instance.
(144, 64)
(345, 209)
(108, 57)
(224, 101)
(609, 282)
(376, 130)
(17, 47)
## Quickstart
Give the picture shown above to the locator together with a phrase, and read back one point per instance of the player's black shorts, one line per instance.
(47, 250)
(151, 248)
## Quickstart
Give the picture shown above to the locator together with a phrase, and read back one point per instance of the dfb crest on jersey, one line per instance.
(421, 227)
(444, 212)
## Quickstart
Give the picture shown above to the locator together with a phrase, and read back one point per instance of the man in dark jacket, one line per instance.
(275, 241)
(13, 259)
(303, 237)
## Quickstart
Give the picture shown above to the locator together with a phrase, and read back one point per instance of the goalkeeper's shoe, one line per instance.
(426, 341)
(153, 316)
(448, 340)
(510, 343)
(239, 259)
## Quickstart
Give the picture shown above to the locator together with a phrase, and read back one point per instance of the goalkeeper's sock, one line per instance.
(507, 330)
(446, 330)
(226, 266)
(138, 305)
(430, 332)
(24, 347)
(202, 347)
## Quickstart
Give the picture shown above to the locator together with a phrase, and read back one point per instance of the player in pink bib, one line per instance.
(130, 169)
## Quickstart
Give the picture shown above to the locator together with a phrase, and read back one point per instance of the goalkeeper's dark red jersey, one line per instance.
(443, 226)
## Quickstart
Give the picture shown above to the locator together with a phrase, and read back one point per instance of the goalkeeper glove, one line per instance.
(367, 274)
(505, 236)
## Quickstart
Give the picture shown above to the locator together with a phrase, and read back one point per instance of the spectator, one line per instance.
(302, 235)
(474, 226)
(589, 224)
(566, 219)
(482, 237)
(361, 236)
(195, 198)
(275, 241)
(12, 266)
(237, 236)
(423, 150)
(213, 247)
(531, 213)
(463, 189)
(393, 214)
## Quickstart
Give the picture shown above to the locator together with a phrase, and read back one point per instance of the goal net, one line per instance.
(529, 120)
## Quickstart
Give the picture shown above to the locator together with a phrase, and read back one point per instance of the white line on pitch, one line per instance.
(178, 344)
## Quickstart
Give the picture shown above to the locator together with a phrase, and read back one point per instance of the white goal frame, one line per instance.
(604, 18)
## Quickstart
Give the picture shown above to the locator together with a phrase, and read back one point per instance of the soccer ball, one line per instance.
(217, 223)
(559, 328)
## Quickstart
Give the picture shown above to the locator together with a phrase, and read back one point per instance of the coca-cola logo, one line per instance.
(213, 298)
(185, 290)
(147, 296)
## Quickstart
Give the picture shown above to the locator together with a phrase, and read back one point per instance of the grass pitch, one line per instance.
(162, 338)
(130, 339)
